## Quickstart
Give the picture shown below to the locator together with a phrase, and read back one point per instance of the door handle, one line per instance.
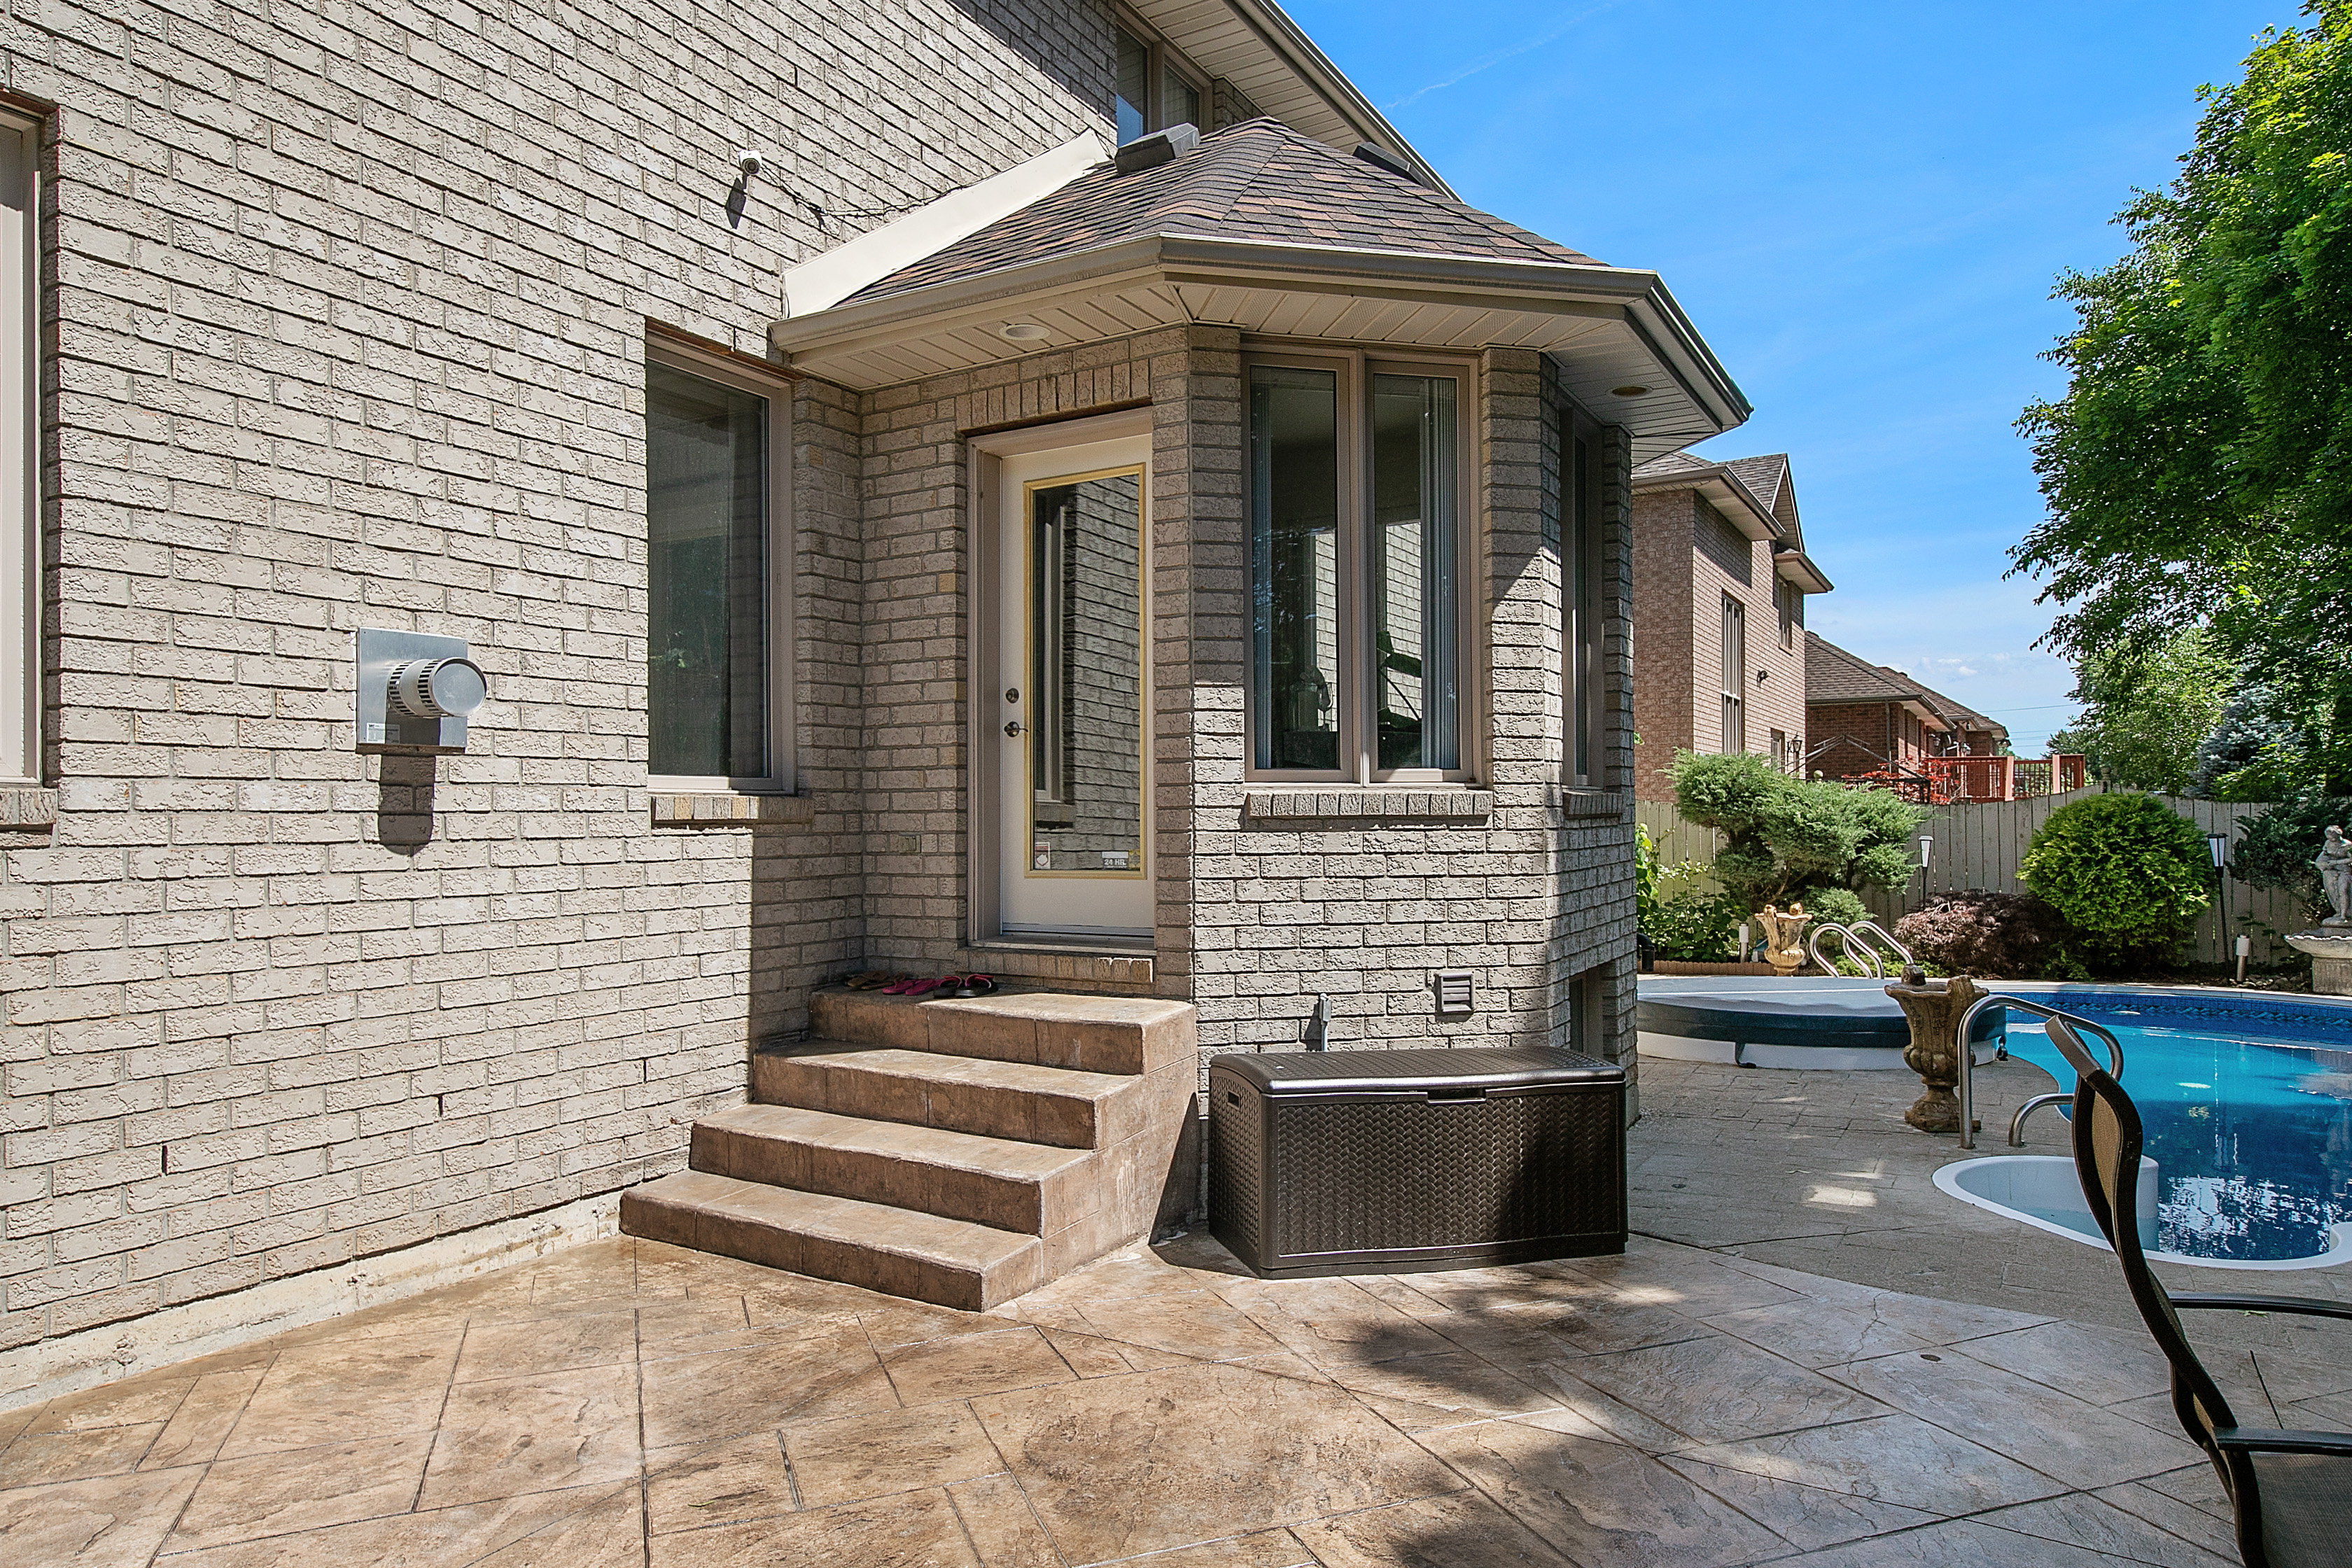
(1014, 727)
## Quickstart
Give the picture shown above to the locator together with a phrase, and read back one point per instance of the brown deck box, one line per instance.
(1383, 1161)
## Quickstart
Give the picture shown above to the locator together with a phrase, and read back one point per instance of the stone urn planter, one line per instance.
(1934, 1008)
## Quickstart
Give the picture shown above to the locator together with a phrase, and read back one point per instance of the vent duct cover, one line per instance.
(1454, 993)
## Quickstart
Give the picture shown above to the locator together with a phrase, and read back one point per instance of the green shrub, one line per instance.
(2127, 873)
(1790, 839)
(1696, 927)
(1833, 905)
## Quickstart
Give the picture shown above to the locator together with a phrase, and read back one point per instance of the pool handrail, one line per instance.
(1853, 940)
(2039, 1009)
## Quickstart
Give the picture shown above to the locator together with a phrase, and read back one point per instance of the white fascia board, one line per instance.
(824, 281)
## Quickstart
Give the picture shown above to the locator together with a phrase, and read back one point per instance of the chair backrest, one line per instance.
(2106, 1138)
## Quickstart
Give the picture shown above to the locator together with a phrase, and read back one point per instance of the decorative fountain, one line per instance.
(2330, 942)
(1782, 933)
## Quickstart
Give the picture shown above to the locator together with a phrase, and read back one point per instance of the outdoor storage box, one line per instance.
(1375, 1161)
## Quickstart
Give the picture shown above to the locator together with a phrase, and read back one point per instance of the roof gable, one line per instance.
(1256, 181)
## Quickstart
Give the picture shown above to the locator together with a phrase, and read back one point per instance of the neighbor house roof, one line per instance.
(1758, 497)
(1256, 181)
(1833, 676)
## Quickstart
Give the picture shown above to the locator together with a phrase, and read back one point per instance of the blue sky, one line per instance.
(1863, 207)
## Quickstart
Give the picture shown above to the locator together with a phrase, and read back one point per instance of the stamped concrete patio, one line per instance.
(628, 1403)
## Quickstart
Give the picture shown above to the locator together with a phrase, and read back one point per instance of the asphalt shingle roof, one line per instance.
(1259, 181)
(1833, 675)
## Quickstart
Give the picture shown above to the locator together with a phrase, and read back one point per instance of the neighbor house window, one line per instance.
(718, 549)
(1735, 671)
(20, 620)
(1154, 89)
(1792, 611)
(1356, 569)
(1580, 571)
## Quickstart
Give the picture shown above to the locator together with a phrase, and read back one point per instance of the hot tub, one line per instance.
(2042, 1191)
(1818, 1022)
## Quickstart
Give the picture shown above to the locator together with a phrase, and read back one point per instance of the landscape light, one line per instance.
(1926, 842)
(2219, 843)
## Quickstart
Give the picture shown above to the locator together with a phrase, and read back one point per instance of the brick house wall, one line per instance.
(349, 325)
(1687, 559)
(350, 328)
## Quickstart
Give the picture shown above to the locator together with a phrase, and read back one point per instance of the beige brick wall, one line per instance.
(349, 331)
(349, 311)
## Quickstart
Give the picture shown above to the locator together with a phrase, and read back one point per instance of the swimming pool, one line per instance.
(2246, 1104)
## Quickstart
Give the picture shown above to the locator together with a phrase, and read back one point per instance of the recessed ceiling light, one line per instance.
(1022, 332)
(1627, 391)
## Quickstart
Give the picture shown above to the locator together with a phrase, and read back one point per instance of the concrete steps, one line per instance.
(955, 1152)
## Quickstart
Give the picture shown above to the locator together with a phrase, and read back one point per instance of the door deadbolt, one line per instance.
(1012, 694)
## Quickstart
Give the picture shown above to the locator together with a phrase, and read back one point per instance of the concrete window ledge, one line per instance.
(1579, 802)
(720, 809)
(22, 808)
(1375, 804)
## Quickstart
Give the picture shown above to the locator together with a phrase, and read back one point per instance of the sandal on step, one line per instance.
(978, 984)
(907, 987)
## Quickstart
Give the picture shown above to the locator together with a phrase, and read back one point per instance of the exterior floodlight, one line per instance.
(2219, 843)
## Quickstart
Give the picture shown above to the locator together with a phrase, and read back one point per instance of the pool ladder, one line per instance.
(1967, 1062)
(1859, 942)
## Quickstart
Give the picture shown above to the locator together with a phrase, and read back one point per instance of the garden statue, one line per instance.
(1935, 1009)
(2330, 942)
(2334, 865)
(1781, 932)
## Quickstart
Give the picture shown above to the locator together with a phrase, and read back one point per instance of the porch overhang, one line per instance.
(1608, 328)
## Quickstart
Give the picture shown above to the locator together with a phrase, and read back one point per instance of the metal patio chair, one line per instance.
(2289, 1489)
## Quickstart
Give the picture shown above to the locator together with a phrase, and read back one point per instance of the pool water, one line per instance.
(2247, 1110)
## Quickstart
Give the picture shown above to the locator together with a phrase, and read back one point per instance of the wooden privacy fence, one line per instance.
(1978, 844)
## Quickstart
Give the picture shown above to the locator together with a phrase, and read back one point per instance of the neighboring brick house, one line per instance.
(1720, 577)
(1864, 718)
(485, 325)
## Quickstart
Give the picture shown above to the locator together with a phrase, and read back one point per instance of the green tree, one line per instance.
(1787, 839)
(2143, 721)
(2199, 469)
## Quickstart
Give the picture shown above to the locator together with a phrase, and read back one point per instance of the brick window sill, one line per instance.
(1577, 801)
(1380, 804)
(704, 808)
(25, 809)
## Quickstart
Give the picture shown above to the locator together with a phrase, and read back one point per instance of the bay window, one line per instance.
(1357, 560)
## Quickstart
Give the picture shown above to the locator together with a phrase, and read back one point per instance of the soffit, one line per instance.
(1607, 327)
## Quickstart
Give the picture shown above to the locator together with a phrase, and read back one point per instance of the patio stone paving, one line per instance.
(630, 1403)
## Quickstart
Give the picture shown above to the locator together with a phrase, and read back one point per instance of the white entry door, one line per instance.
(1073, 744)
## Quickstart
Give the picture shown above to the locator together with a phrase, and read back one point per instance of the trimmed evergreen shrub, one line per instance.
(2127, 874)
(2007, 936)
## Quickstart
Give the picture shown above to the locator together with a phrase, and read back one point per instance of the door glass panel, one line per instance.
(1086, 676)
(707, 565)
(1414, 569)
(1294, 566)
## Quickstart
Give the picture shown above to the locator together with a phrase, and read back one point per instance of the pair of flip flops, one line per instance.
(872, 979)
(943, 985)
